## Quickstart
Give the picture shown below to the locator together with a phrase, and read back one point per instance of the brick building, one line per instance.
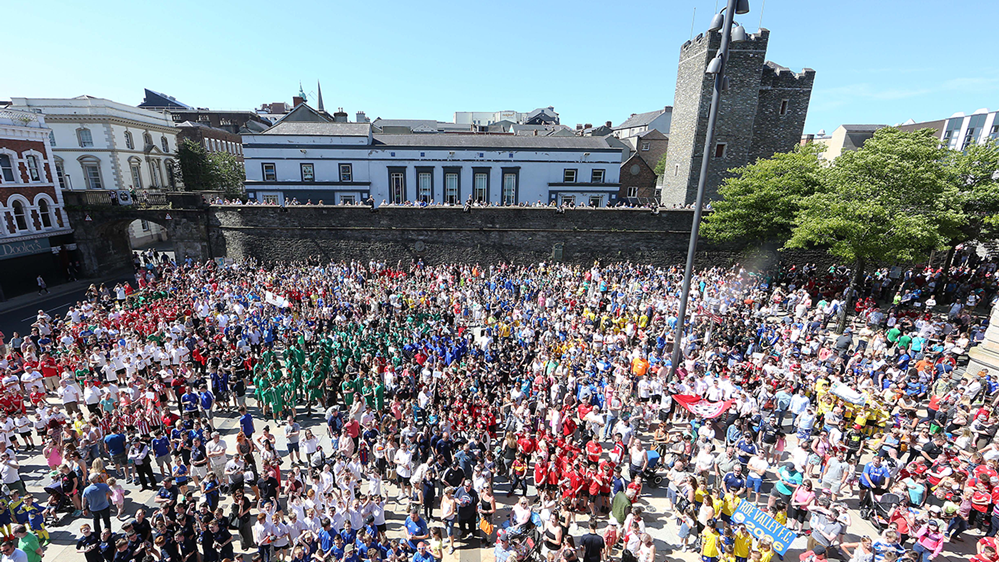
(35, 236)
(762, 112)
(214, 140)
(637, 175)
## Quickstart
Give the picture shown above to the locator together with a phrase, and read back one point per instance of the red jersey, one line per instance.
(594, 451)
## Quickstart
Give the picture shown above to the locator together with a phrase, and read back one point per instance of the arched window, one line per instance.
(85, 138)
(147, 138)
(91, 172)
(45, 212)
(20, 216)
(129, 144)
(171, 174)
(165, 144)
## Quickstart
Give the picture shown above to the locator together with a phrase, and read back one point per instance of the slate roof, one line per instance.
(493, 141)
(641, 119)
(322, 129)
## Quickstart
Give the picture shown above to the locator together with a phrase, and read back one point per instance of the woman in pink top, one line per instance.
(930, 541)
(802, 498)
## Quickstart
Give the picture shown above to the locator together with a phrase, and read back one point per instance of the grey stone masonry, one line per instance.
(753, 122)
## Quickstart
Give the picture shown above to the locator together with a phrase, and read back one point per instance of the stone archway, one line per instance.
(103, 242)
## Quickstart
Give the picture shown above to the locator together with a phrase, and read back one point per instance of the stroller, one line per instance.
(525, 540)
(59, 501)
(650, 475)
(877, 510)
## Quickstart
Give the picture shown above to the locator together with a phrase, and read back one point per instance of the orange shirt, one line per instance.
(639, 366)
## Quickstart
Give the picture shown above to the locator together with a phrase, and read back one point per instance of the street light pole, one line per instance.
(719, 66)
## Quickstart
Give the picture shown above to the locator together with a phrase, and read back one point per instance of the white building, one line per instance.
(539, 116)
(102, 144)
(960, 131)
(639, 123)
(309, 158)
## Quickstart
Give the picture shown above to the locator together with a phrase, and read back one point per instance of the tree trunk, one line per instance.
(948, 260)
(852, 293)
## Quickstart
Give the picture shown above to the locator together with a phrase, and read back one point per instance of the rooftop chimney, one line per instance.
(297, 101)
(340, 116)
(608, 124)
(588, 126)
(361, 117)
(579, 127)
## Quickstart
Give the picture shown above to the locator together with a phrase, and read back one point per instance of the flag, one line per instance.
(701, 407)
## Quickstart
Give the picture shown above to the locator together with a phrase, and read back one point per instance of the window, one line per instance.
(569, 176)
(970, 137)
(147, 138)
(425, 187)
(632, 192)
(154, 173)
(451, 188)
(171, 174)
(136, 176)
(720, 150)
(509, 189)
(568, 199)
(44, 212)
(993, 131)
(33, 167)
(6, 169)
(657, 193)
(92, 175)
(307, 172)
(677, 169)
(165, 144)
(397, 186)
(784, 107)
(644, 146)
(20, 217)
(596, 200)
(144, 225)
(597, 176)
(84, 137)
(129, 144)
(61, 174)
(52, 138)
(480, 187)
(346, 174)
(269, 173)
(347, 200)
(271, 198)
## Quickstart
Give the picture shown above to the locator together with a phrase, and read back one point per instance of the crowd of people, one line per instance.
(367, 411)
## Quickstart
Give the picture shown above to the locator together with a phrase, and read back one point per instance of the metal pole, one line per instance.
(709, 146)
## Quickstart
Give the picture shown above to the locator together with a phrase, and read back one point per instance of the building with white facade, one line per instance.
(309, 158)
(102, 144)
(539, 116)
(639, 123)
(35, 235)
(960, 131)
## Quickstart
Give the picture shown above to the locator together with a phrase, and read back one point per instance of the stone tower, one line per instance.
(762, 112)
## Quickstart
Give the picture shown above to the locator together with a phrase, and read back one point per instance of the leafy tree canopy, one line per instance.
(891, 201)
(761, 201)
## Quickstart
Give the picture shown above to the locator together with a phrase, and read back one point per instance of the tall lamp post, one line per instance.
(723, 21)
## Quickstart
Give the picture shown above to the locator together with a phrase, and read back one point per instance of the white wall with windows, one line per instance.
(102, 144)
(495, 169)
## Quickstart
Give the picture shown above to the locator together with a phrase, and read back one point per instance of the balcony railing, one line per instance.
(21, 118)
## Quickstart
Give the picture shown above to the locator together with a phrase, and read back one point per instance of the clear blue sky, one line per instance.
(876, 61)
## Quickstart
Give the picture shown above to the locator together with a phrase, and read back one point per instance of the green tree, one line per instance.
(229, 175)
(975, 176)
(891, 201)
(661, 165)
(195, 167)
(761, 201)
